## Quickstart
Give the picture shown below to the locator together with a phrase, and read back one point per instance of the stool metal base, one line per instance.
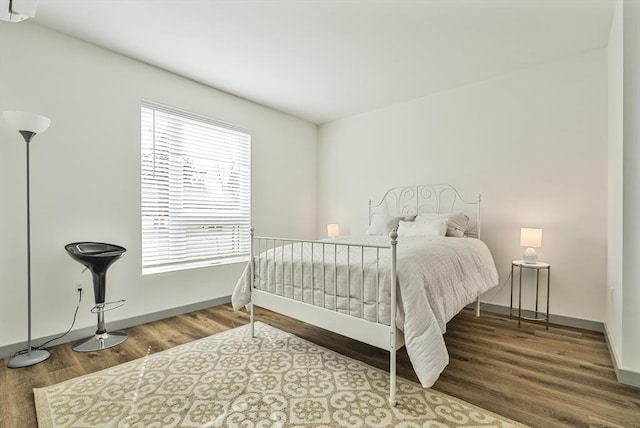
(98, 342)
(25, 360)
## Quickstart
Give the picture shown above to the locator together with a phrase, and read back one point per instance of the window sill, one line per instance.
(193, 265)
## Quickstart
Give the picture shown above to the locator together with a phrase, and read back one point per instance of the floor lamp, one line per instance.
(28, 125)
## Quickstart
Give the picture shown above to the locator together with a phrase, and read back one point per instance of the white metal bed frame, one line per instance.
(397, 201)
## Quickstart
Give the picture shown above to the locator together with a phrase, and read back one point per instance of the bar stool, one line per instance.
(97, 257)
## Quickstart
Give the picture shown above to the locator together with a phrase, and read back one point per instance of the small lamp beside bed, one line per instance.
(530, 238)
(333, 230)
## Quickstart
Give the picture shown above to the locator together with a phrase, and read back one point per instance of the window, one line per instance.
(195, 190)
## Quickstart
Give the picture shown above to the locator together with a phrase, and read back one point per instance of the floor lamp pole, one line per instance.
(23, 122)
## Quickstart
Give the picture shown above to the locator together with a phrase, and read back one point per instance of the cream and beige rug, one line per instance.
(231, 380)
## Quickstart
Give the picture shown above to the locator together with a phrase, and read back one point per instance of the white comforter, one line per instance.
(437, 277)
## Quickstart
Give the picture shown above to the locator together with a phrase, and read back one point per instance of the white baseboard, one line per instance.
(628, 377)
(9, 350)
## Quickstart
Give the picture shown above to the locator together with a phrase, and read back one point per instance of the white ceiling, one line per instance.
(323, 60)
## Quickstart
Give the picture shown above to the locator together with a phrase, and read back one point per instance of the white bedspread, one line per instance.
(437, 277)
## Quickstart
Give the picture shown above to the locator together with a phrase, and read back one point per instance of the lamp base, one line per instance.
(530, 256)
(25, 360)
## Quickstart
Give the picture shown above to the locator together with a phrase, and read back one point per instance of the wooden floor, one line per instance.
(562, 377)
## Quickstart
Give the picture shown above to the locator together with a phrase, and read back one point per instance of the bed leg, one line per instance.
(252, 318)
(478, 306)
(392, 378)
(252, 278)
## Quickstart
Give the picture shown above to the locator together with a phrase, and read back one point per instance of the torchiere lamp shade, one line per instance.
(25, 121)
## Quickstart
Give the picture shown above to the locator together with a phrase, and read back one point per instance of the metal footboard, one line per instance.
(309, 272)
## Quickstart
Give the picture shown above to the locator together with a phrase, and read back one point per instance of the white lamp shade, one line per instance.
(530, 237)
(25, 121)
(333, 230)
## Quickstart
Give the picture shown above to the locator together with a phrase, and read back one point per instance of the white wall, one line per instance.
(86, 180)
(623, 272)
(534, 142)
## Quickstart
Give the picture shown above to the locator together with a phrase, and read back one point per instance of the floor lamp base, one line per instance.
(25, 360)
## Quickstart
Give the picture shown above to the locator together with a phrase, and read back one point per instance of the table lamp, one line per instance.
(530, 238)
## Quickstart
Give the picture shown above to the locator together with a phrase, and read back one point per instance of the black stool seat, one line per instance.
(95, 255)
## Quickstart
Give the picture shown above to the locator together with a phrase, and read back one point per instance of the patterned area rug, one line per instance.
(231, 380)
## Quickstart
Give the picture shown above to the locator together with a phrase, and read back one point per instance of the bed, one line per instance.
(425, 239)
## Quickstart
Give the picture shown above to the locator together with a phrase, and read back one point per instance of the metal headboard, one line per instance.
(430, 198)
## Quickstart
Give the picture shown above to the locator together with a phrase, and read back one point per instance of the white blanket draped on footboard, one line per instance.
(437, 277)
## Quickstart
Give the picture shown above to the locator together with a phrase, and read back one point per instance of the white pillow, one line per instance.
(384, 225)
(436, 227)
(456, 222)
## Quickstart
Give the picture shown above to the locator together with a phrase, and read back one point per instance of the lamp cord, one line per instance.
(72, 322)
(497, 292)
(42, 347)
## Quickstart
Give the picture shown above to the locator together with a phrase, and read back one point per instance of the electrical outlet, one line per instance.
(77, 286)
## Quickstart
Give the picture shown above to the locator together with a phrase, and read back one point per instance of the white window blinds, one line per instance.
(195, 190)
